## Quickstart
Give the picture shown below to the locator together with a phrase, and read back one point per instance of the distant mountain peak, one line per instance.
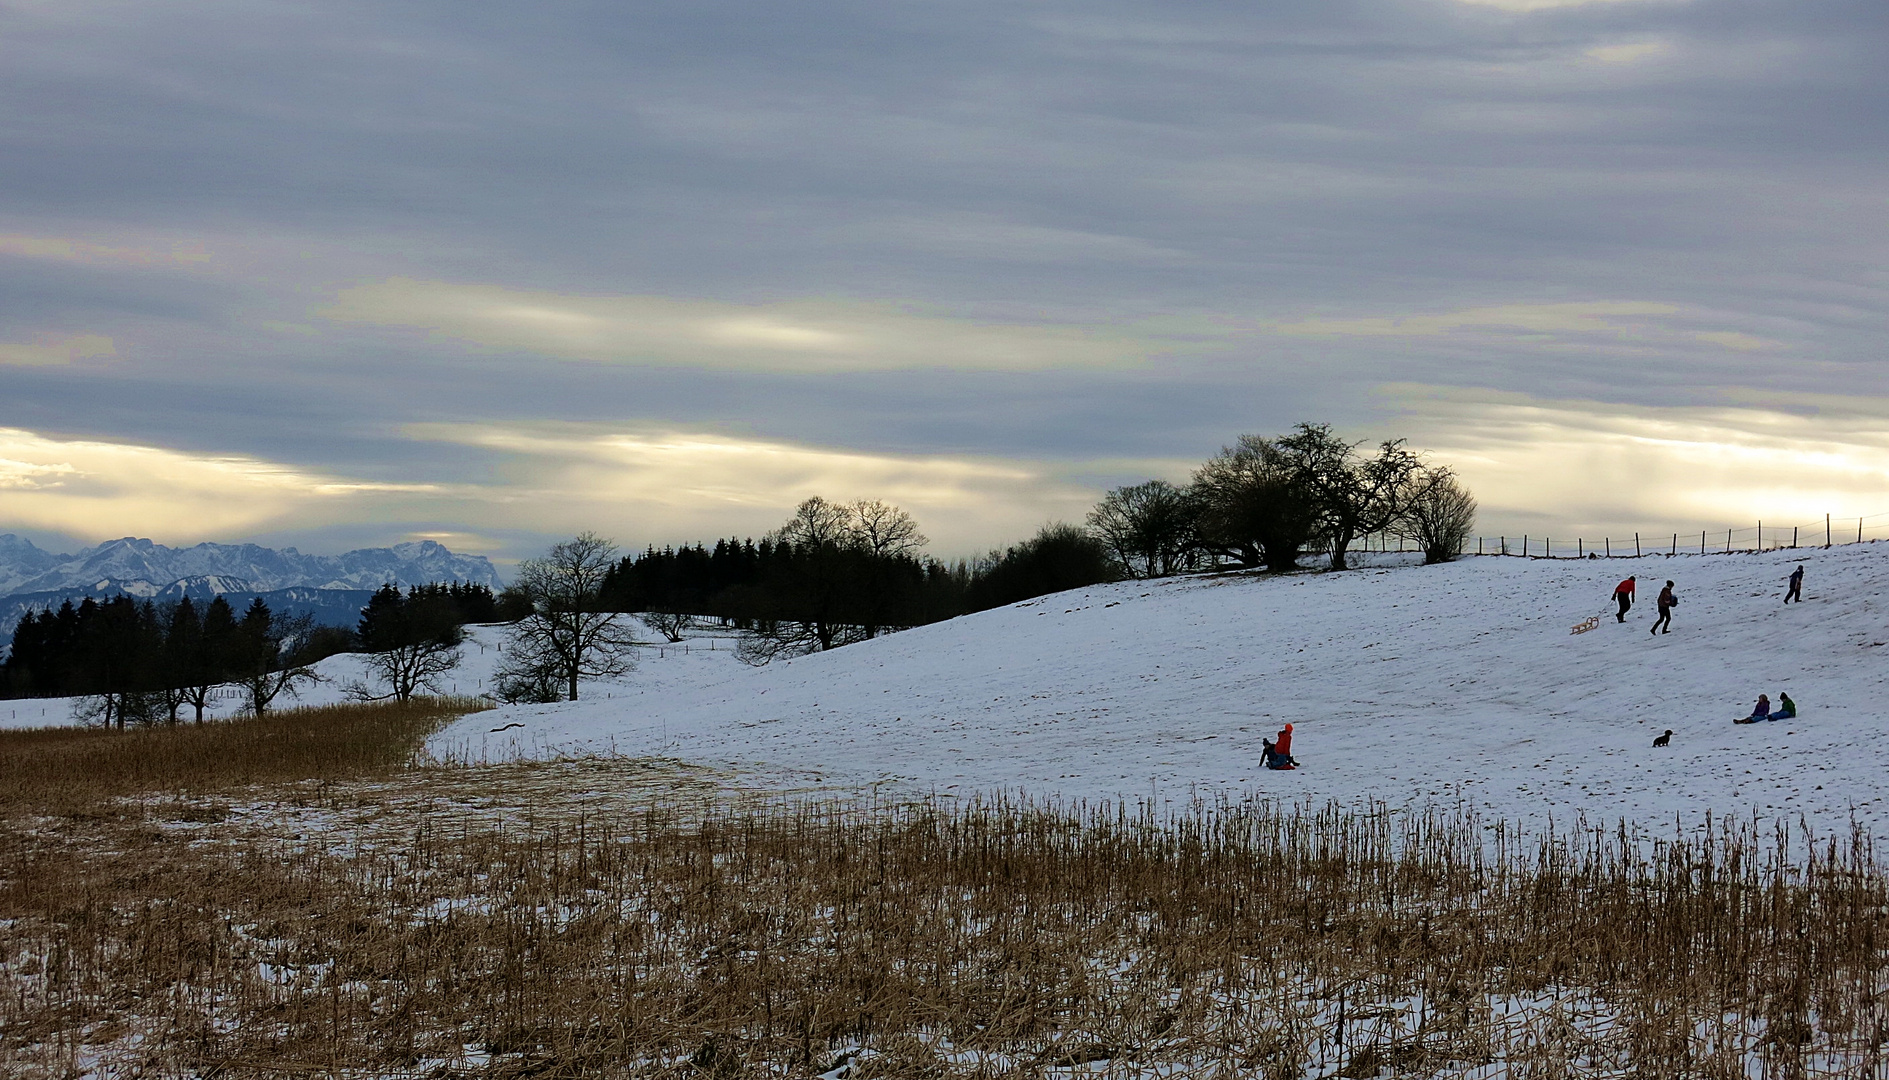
(25, 568)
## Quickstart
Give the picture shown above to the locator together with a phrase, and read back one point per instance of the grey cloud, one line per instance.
(1221, 170)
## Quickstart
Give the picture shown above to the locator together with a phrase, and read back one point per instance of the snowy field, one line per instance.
(1456, 682)
(1404, 683)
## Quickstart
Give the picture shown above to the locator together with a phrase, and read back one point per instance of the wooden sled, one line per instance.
(1585, 625)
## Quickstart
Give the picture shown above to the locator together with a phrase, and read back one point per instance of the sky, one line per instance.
(339, 274)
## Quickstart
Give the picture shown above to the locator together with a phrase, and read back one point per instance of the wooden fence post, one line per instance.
(1675, 543)
(1524, 545)
(1793, 537)
(1826, 530)
(1607, 541)
(1577, 549)
(1728, 541)
(1701, 541)
(1636, 545)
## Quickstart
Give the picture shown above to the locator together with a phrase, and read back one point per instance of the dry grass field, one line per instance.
(301, 896)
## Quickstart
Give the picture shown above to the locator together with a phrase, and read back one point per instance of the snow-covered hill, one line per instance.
(1404, 682)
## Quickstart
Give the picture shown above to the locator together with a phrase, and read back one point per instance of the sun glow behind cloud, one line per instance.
(103, 489)
(1560, 467)
(664, 486)
(1572, 467)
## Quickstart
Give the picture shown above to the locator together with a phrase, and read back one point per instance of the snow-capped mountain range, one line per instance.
(331, 588)
(145, 569)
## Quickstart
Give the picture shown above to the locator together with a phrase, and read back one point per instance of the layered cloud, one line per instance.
(985, 260)
(86, 253)
(49, 349)
(641, 485)
(1546, 5)
(647, 483)
(799, 335)
(98, 489)
(1582, 467)
(1642, 321)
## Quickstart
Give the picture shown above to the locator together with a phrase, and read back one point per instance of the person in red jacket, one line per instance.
(1279, 754)
(1623, 593)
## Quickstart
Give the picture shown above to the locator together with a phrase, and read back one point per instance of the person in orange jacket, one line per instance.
(1279, 754)
(1623, 593)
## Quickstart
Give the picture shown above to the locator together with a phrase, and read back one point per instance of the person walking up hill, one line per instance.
(1623, 593)
(1797, 585)
(1666, 603)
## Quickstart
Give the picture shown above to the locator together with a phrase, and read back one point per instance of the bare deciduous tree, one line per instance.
(534, 683)
(884, 529)
(412, 643)
(818, 523)
(1438, 514)
(567, 630)
(1354, 496)
(1149, 528)
(1249, 508)
(672, 625)
(265, 666)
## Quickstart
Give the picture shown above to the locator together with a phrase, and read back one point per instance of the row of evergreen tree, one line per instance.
(836, 573)
(139, 661)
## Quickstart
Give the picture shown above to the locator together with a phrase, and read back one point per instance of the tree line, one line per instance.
(832, 574)
(137, 662)
(1269, 502)
(836, 573)
(840, 572)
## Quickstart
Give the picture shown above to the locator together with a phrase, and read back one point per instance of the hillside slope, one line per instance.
(1456, 681)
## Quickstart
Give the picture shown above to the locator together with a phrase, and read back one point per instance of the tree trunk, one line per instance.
(1340, 542)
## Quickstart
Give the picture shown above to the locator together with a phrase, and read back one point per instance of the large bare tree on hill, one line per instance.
(1354, 495)
(1249, 506)
(568, 636)
(1438, 514)
(1148, 527)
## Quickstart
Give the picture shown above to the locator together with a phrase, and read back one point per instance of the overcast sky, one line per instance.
(334, 273)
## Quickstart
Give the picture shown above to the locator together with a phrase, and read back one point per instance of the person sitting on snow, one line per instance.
(1761, 711)
(1279, 754)
(1786, 708)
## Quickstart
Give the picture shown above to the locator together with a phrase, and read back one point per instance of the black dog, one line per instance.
(1665, 739)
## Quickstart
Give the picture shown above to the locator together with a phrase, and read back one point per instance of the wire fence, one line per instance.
(1759, 536)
